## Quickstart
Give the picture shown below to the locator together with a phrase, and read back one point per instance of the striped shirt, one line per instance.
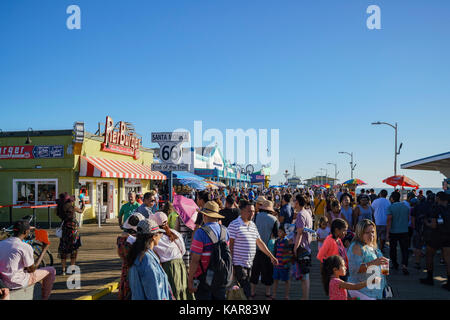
(283, 253)
(202, 245)
(245, 237)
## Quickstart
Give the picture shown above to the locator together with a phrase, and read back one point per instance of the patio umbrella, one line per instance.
(327, 185)
(195, 184)
(358, 182)
(402, 181)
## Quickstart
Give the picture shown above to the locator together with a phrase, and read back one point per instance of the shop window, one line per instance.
(35, 192)
(86, 191)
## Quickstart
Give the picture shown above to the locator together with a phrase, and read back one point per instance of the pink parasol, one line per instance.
(187, 209)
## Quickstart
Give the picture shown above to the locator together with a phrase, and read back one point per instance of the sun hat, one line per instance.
(148, 226)
(132, 225)
(260, 200)
(267, 205)
(211, 209)
(159, 217)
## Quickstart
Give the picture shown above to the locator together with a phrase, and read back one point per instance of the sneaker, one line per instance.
(427, 281)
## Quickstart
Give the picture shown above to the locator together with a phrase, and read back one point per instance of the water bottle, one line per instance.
(209, 277)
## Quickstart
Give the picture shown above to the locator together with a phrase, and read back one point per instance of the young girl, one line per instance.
(335, 288)
(322, 232)
(333, 243)
(283, 253)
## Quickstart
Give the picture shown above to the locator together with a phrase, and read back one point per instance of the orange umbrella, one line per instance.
(402, 181)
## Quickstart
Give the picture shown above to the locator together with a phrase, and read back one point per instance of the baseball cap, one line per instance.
(159, 217)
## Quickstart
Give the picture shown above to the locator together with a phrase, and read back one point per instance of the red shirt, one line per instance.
(332, 247)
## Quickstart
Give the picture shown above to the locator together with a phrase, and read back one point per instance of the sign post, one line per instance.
(170, 154)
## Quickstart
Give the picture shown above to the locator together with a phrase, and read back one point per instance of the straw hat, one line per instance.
(261, 200)
(266, 205)
(211, 209)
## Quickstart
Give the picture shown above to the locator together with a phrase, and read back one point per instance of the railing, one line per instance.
(19, 206)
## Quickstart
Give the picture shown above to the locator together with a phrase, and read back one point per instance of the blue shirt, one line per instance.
(400, 217)
(145, 211)
(286, 212)
(147, 279)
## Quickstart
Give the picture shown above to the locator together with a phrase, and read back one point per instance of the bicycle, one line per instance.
(37, 245)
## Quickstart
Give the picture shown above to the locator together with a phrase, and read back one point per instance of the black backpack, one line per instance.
(220, 263)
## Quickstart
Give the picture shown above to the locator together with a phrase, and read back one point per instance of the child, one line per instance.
(323, 231)
(283, 253)
(333, 243)
(335, 288)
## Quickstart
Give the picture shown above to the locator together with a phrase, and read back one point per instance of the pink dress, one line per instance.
(335, 292)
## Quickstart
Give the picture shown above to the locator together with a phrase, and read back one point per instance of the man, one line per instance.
(201, 249)
(320, 206)
(397, 231)
(372, 195)
(251, 195)
(262, 266)
(419, 214)
(244, 238)
(380, 206)
(302, 243)
(17, 267)
(128, 208)
(259, 201)
(440, 228)
(149, 201)
(230, 213)
(202, 199)
(286, 211)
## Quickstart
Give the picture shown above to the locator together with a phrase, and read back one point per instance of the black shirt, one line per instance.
(230, 214)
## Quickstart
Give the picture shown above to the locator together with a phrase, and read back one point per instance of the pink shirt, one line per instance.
(15, 255)
(335, 292)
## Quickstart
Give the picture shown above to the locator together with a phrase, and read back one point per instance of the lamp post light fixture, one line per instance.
(28, 141)
(396, 153)
(352, 166)
(335, 171)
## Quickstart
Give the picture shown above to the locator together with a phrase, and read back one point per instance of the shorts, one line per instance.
(417, 240)
(281, 274)
(381, 233)
(262, 266)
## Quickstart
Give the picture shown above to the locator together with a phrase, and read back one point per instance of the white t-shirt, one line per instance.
(15, 255)
(322, 233)
(167, 250)
(380, 207)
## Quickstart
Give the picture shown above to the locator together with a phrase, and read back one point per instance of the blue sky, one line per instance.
(309, 68)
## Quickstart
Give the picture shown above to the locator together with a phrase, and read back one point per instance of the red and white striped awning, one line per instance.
(106, 168)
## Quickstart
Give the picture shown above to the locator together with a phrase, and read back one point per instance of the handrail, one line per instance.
(19, 206)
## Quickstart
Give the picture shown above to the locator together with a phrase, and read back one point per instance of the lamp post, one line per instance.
(352, 166)
(335, 171)
(396, 153)
(326, 175)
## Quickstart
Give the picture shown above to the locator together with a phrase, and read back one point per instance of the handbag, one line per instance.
(58, 231)
(236, 292)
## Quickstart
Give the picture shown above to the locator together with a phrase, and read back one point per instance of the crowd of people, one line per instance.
(246, 236)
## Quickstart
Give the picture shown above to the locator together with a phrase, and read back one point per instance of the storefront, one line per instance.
(36, 166)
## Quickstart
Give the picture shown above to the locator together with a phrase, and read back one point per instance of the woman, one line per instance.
(70, 240)
(147, 279)
(335, 213)
(363, 254)
(170, 251)
(347, 211)
(363, 210)
(124, 243)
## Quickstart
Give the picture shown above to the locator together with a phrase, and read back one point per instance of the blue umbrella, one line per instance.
(195, 184)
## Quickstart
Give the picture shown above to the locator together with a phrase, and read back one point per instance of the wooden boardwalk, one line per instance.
(100, 265)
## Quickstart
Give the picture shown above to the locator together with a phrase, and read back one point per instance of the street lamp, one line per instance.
(396, 153)
(326, 175)
(335, 171)
(28, 141)
(352, 166)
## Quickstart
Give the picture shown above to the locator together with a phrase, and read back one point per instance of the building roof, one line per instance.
(439, 162)
(321, 177)
(35, 133)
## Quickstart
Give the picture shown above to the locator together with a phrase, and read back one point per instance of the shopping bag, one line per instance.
(236, 293)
